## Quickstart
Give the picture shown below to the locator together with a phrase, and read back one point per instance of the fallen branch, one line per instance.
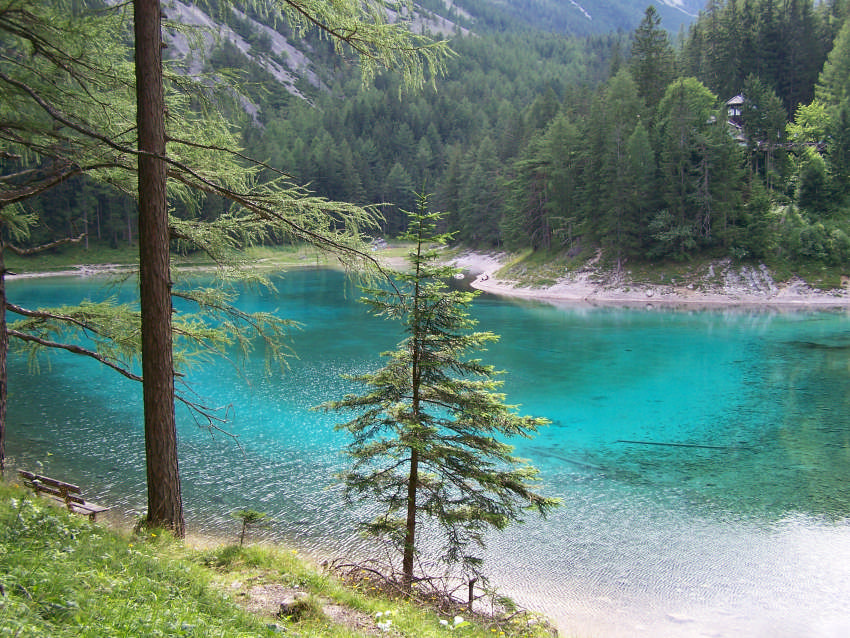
(438, 593)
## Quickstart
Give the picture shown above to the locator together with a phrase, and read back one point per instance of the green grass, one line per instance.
(64, 576)
(263, 257)
(815, 274)
(61, 575)
(543, 268)
(69, 257)
(534, 268)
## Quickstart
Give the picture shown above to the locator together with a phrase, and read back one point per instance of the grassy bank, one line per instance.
(542, 268)
(263, 257)
(70, 257)
(61, 575)
(539, 268)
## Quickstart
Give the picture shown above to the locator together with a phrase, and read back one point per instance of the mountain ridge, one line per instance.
(290, 61)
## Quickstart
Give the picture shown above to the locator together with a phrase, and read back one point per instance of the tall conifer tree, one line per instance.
(165, 504)
(832, 86)
(429, 437)
(618, 203)
(684, 116)
(653, 62)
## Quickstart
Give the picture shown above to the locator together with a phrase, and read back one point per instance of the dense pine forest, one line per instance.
(729, 139)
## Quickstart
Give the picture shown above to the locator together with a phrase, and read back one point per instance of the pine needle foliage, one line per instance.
(376, 32)
(69, 110)
(429, 439)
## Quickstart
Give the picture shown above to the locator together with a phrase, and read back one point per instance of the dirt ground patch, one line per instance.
(265, 600)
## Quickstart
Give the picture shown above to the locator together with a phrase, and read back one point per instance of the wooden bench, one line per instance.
(62, 492)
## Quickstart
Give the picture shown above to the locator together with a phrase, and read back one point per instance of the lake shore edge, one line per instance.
(728, 286)
(724, 285)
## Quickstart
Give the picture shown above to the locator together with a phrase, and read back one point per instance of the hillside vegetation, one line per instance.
(619, 141)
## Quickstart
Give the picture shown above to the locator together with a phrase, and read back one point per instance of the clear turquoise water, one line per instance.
(740, 528)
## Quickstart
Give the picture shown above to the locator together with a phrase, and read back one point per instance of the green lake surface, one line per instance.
(703, 457)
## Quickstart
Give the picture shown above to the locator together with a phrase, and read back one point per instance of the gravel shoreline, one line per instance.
(727, 285)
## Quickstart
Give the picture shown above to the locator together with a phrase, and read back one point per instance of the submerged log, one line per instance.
(695, 445)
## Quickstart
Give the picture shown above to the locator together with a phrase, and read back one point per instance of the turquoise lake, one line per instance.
(703, 457)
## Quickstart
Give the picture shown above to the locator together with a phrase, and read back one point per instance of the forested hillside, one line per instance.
(535, 139)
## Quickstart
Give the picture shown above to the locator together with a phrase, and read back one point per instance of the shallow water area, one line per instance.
(703, 458)
(630, 568)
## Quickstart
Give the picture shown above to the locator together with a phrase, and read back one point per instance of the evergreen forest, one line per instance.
(730, 139)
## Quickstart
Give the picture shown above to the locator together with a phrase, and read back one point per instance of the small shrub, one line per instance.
(249, 518)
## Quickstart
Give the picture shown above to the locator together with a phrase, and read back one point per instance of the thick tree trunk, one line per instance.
(165, 505)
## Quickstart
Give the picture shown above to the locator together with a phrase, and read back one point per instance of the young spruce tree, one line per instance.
(429, 439)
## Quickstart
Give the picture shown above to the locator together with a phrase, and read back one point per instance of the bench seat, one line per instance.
(66, 493)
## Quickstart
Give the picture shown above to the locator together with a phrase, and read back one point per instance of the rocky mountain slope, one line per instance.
(289, 61)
